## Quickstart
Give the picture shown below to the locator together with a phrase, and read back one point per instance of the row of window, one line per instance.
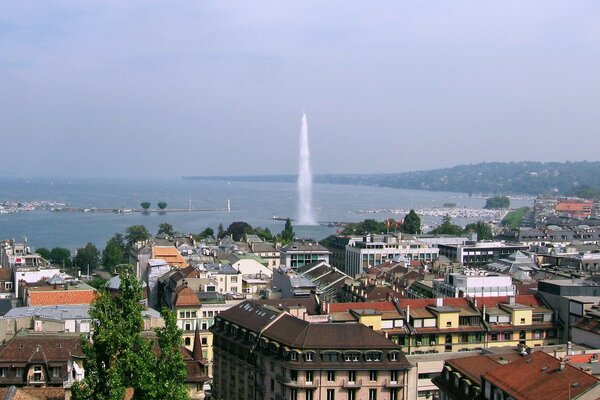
(37, 372)
(330, 394)
(194, 314)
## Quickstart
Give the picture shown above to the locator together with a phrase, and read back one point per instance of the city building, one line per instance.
(474, 283)
(298, 254)
(262, 352)
(376, 249)
(480, 253)
(56, 291)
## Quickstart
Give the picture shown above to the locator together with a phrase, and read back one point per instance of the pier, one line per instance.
(136, 210)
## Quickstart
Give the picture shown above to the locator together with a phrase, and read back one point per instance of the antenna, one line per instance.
(190, 206)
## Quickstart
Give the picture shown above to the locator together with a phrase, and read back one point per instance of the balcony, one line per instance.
(351, 384)
(302, 383)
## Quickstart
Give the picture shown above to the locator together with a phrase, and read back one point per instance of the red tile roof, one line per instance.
(186, 297)
(58, 297)
(538, 377)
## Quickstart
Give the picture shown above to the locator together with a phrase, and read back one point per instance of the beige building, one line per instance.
(262, 352)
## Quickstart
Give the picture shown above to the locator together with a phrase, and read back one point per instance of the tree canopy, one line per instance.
(411, 223)
(61, 256)
(166, 228)
(136, 233)
(114, 253)
(162, 205)
(238, 229)
(287, 234)
(43, 252)
(483, 230)
(497, 202)
(87, 258)
(120, 357)
(145, 205)
(447, 228)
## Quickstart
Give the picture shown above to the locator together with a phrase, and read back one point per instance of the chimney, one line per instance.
(483, 312)
(439, 302)
(407, 313)
(511, 300)
(561, 364)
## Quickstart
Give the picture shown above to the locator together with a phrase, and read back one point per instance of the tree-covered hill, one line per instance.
(526, 177)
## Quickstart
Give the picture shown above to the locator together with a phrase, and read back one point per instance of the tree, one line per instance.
(145, 205)
(287, 234)
(118, 356)
(483, 230)
(238, 229)
(134, 234)
(497, 202)
(114, 253)
(44, 253)
(412, 223)
(61, 256)
(170, 368)
(87, 258)
(264, 233)
(162, 205)
(208, 232)
(220, 232)
(447, 228)
(166, 228)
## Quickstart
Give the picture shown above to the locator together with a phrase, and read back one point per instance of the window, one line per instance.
(494, 337)
(372, 394)
(309, 394)
(293, 375)
(293, 356)
(330, 376)
(351, 376)
(393, 356)
(330, 394)
(522, 320)
(19, 372)
(272, 385)
(309, 376)
(449, 324)
(55, 372)
(204, 340)
(8, 285)
(3, 372)
(37, 373)
(293, 394)
(187, 341)
(394, 376)
(188, 314)
(181, 314)
(394, 394)
(194, 314)
(372, 375)
(188, 326)
(351, 394)
(204, 326)
(234, 279)
(309, 356)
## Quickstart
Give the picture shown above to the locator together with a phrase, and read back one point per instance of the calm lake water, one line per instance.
(254, 203)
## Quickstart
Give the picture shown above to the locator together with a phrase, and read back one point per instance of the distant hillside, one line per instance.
(525, 177)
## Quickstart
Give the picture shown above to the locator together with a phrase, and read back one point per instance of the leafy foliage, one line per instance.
(119, 356)
(166, 228)
(483, 230)
(447, 228)
(61, 256)
(162, 205)
(287, 234)
(134, 234)
(44, 253)
(238, 229)
(114, 252)
(208, 232)
(497, 202)
(145, 205)
(87, 257)
(412, 223)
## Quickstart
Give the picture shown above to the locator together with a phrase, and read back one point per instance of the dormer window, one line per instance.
(394, 356)
(309, 356)
(294, 356)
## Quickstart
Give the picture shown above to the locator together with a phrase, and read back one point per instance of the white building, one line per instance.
(474, 283)
(376, 249)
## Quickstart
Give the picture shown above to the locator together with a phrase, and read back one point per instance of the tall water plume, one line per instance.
(305, 207)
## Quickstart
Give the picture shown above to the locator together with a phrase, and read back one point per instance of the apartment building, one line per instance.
(474, 283)
(262, 352)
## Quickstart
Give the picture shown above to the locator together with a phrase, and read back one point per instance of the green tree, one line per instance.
(166, 228)
(113, 254)
(483, 230)
(117, 356)
(264, 233)
(287, 234)
(170, 368)
(447, 228)
(412, 223)
(87, 258)
(220, 232)
(238, 229)
(61, 256)
(145, 205)
(134, 234)
(44, 253)
(208, 232)
(497, 202)
(162, 205)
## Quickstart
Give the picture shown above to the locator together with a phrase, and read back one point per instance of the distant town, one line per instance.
(381, 310)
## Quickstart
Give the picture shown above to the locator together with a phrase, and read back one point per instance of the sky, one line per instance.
(172, 88)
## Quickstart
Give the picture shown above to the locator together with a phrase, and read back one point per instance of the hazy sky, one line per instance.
(126, 88)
